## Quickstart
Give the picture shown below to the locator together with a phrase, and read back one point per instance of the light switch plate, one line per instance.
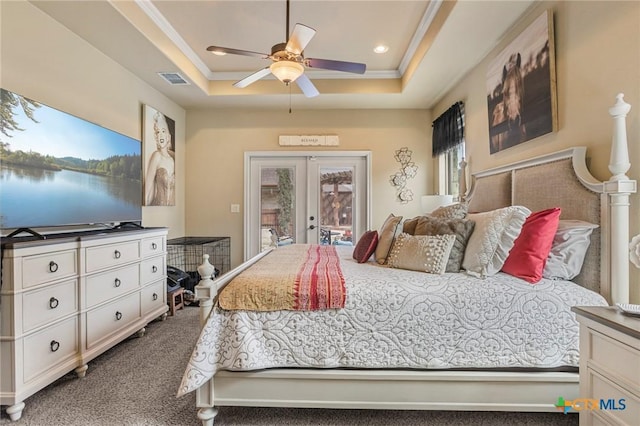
(235, 208)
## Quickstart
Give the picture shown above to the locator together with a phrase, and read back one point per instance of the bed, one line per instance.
(463, 360)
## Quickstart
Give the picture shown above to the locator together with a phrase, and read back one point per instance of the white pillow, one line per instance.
(568, 250)
(492, 239)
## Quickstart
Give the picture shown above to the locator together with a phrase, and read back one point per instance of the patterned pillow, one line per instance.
(492, 239)
(365, 246)
(568, 250)
(426, 253)
(453, 211)
(385, 237)
(460, 228)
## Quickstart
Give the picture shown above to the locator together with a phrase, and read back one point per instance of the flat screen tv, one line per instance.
(59, 170)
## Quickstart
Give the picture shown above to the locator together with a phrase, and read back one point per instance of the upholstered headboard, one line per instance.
(560, 180)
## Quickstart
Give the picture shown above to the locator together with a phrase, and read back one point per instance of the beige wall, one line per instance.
(597, 56)
(43, 60)
(217, 140)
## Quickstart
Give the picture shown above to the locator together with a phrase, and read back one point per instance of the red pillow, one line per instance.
(529, 254)
(366, 246)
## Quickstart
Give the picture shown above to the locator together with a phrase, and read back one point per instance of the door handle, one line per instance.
(312, 218)
(312, 227)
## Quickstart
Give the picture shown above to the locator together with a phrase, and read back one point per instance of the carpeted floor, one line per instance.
(135, 383)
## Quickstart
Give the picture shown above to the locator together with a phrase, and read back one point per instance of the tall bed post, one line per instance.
(618, 188)
(206, 289)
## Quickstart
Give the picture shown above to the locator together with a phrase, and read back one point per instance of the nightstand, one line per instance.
(609, 365)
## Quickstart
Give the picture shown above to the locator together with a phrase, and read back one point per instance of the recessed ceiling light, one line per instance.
(381, 48)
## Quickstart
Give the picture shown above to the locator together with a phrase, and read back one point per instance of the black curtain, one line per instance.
(448, 129)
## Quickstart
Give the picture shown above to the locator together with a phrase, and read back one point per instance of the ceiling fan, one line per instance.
(289, 62)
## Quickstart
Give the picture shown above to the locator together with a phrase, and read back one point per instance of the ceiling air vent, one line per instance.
(173, 78)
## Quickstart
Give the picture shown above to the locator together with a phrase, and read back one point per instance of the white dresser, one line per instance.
(609, 366)
(64, 301)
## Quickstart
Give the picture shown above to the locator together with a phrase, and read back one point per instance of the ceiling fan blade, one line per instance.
(328, 64)
(241, 84)
(307, 86)
(218, 49)
(300, 37)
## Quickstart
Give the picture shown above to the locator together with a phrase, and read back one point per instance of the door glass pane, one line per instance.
(336, 205)
(277, 206)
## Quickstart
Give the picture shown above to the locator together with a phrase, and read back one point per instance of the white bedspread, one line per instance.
(402, 319)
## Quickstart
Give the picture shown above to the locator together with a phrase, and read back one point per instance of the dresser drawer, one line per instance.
(154, 296)
(47, 267)
(46, 348)
(48, 304)
(112, 284)
(626, 367)
(153, 246)
(152, 269)
(107, 319)
(604, 389)
(107, 256)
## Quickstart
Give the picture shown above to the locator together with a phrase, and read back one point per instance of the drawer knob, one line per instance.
(118, 316)
(53, 266)
(155, 296)
(117, 282)
(117, 254)
(154, 269)
(154, 246)
(53, 303)
(54, 345)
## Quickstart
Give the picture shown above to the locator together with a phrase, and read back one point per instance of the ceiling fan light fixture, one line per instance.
(286, 71)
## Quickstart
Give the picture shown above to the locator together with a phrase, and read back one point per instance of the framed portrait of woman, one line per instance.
(158, 135)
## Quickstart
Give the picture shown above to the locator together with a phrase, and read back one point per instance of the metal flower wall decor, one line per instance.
(408, 170)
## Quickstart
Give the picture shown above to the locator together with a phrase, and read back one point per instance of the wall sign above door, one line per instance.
(309, 140)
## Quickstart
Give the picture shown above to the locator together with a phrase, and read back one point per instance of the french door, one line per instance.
(310, 197)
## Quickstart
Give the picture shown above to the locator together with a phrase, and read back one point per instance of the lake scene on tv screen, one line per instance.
(57, 169)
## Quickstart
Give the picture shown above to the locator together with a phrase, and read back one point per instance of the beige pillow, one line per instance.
(453, 211)
(493, 237)
(409, 225)
(425, 253)
(385, 237)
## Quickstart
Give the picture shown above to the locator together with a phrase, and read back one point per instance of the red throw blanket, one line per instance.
(296, 277)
